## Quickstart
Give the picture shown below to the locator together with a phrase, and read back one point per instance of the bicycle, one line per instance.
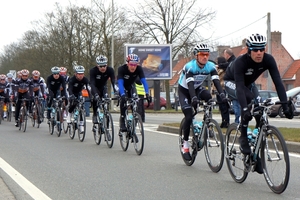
(10, 110)
(208, 135)
(105, 124)
(56, 117)
(78, 113)
(23, 115)
(135, 128)
(37, 116)
(269, 142)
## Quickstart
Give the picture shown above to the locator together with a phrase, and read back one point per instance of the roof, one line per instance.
(177, 70)
(292, 70)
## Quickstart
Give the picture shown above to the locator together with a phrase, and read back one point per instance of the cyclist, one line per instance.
(63, 72)
(127, 74)
(190, 88)
(38, 87)
(98, 80)
(54, 82)
(4, 92)
(22, 89)
(75, 86)
(239, 80)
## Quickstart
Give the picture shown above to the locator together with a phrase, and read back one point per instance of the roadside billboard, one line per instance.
(156, 60)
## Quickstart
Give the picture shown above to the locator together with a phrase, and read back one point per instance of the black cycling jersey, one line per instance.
(98, 80)
(55, 84)
(244, 71)
(75, 86)
(23, 86)
(128, 77)
(38, 86)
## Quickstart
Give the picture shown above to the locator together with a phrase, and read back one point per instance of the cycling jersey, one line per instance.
(75, 86)
(98, 80)
(244, 71)
(54, 85)
(38, 87)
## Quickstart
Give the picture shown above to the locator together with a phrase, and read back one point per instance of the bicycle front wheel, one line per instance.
(108, 126)
(9, 112)
(124, 137)
(214, 145)
(24, 121)
(234, 157)
(137, 131)
(275, 160)
(97, 133)
(34, 116)
(82, 125)
(58, 122)
(193, 143)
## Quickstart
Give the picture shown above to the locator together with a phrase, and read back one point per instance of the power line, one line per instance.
(239, 29)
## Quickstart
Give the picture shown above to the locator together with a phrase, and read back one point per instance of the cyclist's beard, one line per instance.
(200, 64)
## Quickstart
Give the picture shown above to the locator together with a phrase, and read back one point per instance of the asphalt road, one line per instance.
(61, 168)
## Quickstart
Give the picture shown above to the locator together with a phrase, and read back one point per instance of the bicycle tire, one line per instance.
(271, 163)
(24, 122)
(81, 117)
(108, 126)
(72, 130)
(97, 133)
(9, 112)
(193, 143)
(65, 124)
(57, 122)
(137, 130)
(34, 116)
(234, 157)
(1, 111)
(214, 146)
(124, 137)
(39, 118)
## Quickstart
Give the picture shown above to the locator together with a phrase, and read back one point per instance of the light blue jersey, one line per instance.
(192, 72)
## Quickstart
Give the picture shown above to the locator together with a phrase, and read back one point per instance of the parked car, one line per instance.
(277, 109)
(163, 104)
(266, 94)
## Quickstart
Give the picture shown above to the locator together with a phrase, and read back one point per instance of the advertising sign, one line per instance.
(156, 60)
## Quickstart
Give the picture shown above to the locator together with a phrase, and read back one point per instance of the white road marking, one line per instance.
(31, 189)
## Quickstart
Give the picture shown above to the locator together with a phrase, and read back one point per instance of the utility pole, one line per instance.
(269, 42)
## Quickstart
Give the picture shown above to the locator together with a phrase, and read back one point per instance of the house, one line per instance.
(288, 67)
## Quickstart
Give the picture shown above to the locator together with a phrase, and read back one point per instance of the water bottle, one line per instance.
(249, 135)
(75, 114)
(197, 126)
(254, 134)
(129, 120)
(101, 117)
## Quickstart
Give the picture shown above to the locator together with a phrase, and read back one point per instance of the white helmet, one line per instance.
(201, 47)
(101, 60)
(256, 41)
(79, 69)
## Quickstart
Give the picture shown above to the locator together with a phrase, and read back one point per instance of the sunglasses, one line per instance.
(102, 66)
(55, 73)
(203, 54)
(256, 50)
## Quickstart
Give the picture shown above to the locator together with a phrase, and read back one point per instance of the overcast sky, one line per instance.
(235, 19)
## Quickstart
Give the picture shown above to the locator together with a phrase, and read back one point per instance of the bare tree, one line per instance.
(173, 22)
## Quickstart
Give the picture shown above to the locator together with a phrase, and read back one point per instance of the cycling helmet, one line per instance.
(2, 76)
(9, 75)
(132, 58)
(79, 69)
(63, 69)
(55, 70)
(24, 72)
(256, 41)
(35, 73)
(101, 60)
(200, 47)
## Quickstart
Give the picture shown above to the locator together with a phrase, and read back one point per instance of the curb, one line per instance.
(293, 147)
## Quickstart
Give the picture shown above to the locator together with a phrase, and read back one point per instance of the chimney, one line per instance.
(276, 37)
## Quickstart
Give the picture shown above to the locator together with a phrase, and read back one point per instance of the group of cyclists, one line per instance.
(59, 84)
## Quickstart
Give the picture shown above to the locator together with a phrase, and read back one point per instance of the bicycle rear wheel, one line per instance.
(275, 160)
(137, 130)
(124, 137)
(234, 157)
(108, 126)
(64, 122)
(193, 143)
(82, 125)
(9, 112)
(214, 145)
(58, 122)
